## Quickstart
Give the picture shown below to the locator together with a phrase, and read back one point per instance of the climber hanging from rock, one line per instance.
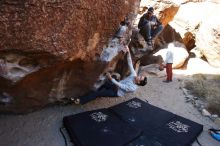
(150, 27)
(114, 88)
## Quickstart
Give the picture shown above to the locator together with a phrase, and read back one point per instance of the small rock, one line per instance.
(213, 117)
(188, 99)
(201, 108)
(197, 105)
(195, 98)
(179, 80)
(205, 113)
(193, 102)
(217, 121)
(190, 96)
(185, 91)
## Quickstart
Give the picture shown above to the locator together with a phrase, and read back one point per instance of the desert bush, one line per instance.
(207, 88)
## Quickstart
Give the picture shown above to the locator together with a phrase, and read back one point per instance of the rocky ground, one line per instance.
(41, 128)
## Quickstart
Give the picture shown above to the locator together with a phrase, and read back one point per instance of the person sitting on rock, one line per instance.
(114, 88)
(149, 26)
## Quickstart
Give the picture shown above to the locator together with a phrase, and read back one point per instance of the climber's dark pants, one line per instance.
(107, 90)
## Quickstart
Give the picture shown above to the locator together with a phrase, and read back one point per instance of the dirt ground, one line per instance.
(41, 128)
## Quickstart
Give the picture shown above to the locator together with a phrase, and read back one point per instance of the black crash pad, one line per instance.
(99, 128)
(148, 139)
(161, 128)
(178, 131)
(141, 114)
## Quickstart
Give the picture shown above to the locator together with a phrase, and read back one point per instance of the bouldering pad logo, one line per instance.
(99, 116)
(134, 104)
(178, 126)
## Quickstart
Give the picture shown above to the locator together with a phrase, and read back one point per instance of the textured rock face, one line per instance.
(208, 38)
(52, 84)
(148, 59)
(50, 50)
(69, 29)
(168, 35)
(198, 25)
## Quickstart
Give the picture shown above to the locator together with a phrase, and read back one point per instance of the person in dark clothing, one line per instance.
(149, 26)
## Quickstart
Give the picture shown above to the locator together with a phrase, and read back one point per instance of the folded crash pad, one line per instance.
(99, 128)
(161, 128)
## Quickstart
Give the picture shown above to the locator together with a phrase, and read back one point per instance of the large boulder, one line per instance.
(186, 22)
(208, 37)
(197, 65)
(198, 25)
(71, 29)
(180, 53)
(54, 50)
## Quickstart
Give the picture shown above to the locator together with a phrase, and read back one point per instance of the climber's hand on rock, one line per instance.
(108, 75)
(126, 49)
